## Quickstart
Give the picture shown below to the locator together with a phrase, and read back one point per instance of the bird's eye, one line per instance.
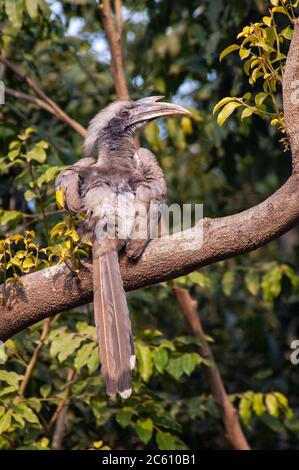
(124, 113)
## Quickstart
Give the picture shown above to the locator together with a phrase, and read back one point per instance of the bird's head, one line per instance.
(113, 129)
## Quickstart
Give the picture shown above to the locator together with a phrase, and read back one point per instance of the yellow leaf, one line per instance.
(60, 198)
(97, 444)
(187, 125)
(267, 20)
(228, 50)
(226, 112)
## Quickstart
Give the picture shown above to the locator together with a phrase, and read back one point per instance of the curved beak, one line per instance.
(149, 108)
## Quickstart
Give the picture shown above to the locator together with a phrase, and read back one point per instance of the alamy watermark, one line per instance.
(123, 219)
(2, 92)
(294, 357)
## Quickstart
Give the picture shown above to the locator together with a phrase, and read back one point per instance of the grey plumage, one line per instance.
(117, 192)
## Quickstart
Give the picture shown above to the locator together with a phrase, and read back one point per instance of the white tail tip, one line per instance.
(126, 393)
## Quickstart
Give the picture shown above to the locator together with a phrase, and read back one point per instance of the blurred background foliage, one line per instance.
(248, 305)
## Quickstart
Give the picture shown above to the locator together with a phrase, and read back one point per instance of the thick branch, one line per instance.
(291, 96)
(54, 289)
(114, 36)
(226, 410)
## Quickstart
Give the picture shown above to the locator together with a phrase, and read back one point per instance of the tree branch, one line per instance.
(226, 410)
(114, 35)
(54, 289)
(56, 110)
(59, 418)
(37, 101)
(35, 356)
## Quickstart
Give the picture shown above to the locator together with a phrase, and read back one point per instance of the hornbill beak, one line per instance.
(147, 109)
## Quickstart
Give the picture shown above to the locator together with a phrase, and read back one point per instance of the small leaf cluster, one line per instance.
(253, 404)
(262, 49)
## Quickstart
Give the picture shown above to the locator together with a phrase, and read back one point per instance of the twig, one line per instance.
(60, 428)
(227, 412)
(114, 36)
(60, 414)
(35, 356)
(40, 93)
(24, 96)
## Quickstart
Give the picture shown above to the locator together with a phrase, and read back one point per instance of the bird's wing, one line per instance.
(68, 181)
(150, 194)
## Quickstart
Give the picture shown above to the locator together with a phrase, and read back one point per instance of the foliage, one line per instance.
(248, 305)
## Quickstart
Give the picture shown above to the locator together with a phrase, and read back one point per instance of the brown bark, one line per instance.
(113, 31)
(229, 415)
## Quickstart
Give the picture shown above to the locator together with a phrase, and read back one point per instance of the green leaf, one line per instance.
(69, 347)
(48, 176)
(11, 378)
(202, 280)
(7, 390)
(245, 410)
(272, 405)
(124, 416)
(32, 7)
(282, 400)
(9, 216)
(252, 282)
(227, 283)
(271, 283)
(226, 112)
(244, 53)
(45, 390)
(258, 404)
(13, 154)
(145, 361)
(287, 33)
(14, 11)
(248, 112)
(29, 195)
(267, 20)
(160, 359)
(144, 429)
(83, 355)
(278, 10)
(37, 154)
(228, 50)
(166, 441)
(25, 412)
(175, 368)
(190, 361)
(5, 422)
(221, 103)
(19, 420)
(94, 360)
(260, 98)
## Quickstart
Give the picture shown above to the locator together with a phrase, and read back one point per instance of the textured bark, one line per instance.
(113, 31)
(54, 289)
(291, 96)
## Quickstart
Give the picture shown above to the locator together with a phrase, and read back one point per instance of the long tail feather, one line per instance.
(112, 323)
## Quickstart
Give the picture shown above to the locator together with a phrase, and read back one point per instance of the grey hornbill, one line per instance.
(116, 186)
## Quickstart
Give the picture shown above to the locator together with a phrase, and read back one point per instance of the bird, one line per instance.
(120, 189)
